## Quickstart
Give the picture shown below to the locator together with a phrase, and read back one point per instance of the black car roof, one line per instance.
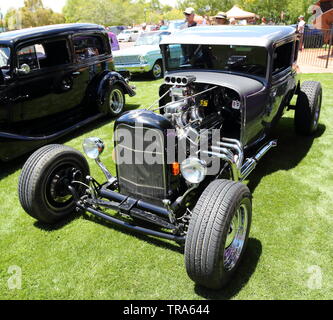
(11, 37)
(263, 36)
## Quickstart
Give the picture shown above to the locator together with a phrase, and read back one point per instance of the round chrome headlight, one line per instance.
(93, 147)
(194, 170)
(143, 60)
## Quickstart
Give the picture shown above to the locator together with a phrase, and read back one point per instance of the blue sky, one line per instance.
(55, 5)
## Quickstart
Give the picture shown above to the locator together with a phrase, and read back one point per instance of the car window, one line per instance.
(4, 57)
(44, 55)
(86, 47)
(282, 58)
(244, 59)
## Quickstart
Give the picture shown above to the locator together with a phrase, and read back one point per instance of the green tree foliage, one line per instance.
(33, 14)
(209, 7)
(119, 12)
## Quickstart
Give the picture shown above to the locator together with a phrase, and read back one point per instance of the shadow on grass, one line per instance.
(291, 150)
(8, 168)
(57, 226)
(149, 239)
(241, 277)
(141, 77)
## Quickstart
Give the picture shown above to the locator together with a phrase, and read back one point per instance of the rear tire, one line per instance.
(218, 233)
(115, 101)
(308, 108)
(43, 184)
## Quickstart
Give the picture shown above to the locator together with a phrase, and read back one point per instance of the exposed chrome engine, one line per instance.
(183, 109)
(196, 106)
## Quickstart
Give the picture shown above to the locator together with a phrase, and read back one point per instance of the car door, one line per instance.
(40, 90)
(90, 51)
(282, 82)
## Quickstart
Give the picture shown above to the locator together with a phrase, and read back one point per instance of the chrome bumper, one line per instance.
(133, 68)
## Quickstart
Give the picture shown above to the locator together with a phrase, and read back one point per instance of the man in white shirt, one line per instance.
(300, 30)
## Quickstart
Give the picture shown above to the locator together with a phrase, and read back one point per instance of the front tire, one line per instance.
(218, 233)
(43, 184)
(308, 107)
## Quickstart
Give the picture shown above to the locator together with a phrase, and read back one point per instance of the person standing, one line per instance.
(162, 25)
(221, 18)
(300, 30)
(189, 16)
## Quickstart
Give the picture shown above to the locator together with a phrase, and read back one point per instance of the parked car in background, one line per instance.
(55, 79)
(129, 35)
(144, 57)
(151, 28)
(116, 29)
(114, 41)
(176, 25)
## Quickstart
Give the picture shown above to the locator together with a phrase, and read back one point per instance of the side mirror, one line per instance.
(24, 69)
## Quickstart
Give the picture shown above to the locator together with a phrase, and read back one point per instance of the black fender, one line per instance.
(108, 80)
(103, 82)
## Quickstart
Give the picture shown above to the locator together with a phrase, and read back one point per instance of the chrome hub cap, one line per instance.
(116, 101)
(157, 70)
(236, 238)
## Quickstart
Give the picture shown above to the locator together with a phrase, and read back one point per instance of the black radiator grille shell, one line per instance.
(141, 180)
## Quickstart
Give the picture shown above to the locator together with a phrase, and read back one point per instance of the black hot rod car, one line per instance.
(181, 163)
(54, 79)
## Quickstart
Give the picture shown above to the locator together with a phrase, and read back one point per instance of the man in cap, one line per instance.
(189, 16)
(221, 18)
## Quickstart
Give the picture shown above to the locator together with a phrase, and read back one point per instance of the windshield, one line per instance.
(4, 57)
(244, 59)
(149, 39)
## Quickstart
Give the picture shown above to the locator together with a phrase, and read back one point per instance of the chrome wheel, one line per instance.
(236, 237)
(116, 101)
(157, 70)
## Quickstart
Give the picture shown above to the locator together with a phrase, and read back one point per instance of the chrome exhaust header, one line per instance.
(251, 163)
(231, 151)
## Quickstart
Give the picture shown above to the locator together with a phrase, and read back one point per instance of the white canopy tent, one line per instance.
(238, 13)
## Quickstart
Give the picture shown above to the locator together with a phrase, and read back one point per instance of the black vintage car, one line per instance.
(54, 79)
(181, 163)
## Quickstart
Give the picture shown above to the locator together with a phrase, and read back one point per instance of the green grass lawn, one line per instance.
(291, 237)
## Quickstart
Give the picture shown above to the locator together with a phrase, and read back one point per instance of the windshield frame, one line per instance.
(263, 75)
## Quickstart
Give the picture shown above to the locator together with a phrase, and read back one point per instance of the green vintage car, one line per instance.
(144, 57)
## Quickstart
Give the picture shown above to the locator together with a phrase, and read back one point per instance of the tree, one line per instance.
(105, 12)
(209, 7)
(33, 14)
(119, 12)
